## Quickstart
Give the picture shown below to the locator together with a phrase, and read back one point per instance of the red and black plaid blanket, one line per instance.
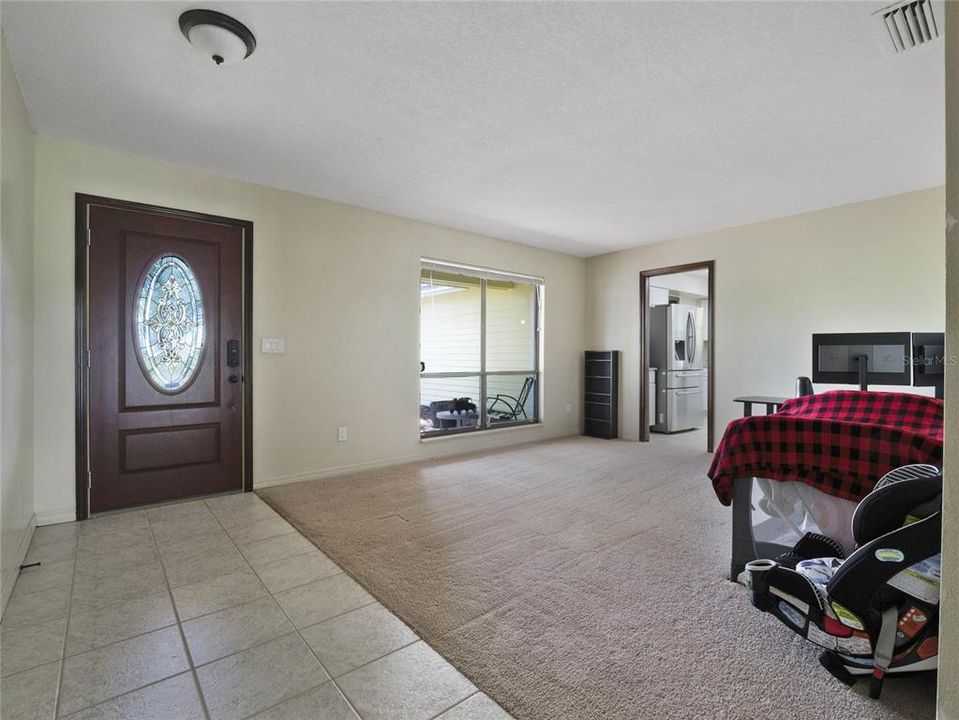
(841, 442)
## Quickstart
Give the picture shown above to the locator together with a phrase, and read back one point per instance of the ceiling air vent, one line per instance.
(910, 24)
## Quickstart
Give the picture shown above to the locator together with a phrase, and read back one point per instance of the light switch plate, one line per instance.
(274, 346)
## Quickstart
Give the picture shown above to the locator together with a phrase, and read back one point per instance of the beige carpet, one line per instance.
(579, 578)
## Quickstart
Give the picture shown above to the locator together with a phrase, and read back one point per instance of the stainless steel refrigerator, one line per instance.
(676, 351)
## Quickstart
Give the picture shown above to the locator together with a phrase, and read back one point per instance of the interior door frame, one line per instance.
(644, 276)
(83, 204)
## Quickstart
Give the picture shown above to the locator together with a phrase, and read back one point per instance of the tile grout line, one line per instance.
(395, 650)
(286, 614)
(198, 617)
(192, 665)
(457, 703)
(179, 625)
(66, 634)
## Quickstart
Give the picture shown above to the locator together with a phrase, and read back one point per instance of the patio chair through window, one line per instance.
(506, 408)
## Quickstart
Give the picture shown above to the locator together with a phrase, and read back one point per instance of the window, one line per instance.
(170, 326)
(479, 348)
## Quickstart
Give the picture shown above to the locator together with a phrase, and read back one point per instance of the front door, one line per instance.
(165, 323)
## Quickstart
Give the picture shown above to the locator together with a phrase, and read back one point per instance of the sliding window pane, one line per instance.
(438, 411)
(510, 398)
(510, 326)
(450, 316)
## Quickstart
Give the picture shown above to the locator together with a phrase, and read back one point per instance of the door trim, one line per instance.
(83, 204)
(644, 276)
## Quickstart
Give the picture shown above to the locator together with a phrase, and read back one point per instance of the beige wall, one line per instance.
(16, 326)
(341, 284)
(873, 266)
(949, 634)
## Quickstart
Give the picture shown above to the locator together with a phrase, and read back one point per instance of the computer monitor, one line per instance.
(929, 361)
(862, 358)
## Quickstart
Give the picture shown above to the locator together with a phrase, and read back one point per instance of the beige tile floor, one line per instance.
(214, 609)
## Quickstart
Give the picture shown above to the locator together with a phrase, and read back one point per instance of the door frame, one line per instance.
(644, 276)
(81, 358)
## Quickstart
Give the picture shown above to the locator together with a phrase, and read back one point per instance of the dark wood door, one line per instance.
(166, 377)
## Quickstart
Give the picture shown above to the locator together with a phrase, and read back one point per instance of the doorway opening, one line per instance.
(164, 392)
(677, 350)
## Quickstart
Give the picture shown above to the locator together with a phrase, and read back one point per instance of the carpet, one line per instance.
(579, 579)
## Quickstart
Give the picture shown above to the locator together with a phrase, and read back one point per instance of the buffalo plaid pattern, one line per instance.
(840, 442)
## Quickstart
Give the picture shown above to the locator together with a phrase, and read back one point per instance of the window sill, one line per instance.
(487, 431)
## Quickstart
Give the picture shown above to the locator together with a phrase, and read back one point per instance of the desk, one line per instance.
(772, 403)
(448, 419)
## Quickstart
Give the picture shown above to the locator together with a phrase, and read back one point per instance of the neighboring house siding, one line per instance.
(450, 340)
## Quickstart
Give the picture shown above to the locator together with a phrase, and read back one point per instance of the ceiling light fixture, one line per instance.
(217, 36)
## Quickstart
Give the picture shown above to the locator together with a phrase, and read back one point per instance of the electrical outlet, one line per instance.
(342, 433)
(569, 408)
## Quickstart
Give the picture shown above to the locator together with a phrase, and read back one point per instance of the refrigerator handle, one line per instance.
(690, 337)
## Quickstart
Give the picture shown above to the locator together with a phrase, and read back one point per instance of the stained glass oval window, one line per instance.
(170, 326)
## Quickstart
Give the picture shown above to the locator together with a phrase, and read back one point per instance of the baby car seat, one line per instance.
(877, 611)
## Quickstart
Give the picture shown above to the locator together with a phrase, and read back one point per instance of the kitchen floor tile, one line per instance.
(91, 629)
(232, 502)
(347, 641)
(324, 703)
(228, 631)
(45, 576)
(99, 592)
(476, 707)
(48, 534)
(51, 553)
(176, 549)
(242, 580)
(111, 523)
(259, 530)
(123, 537)
(111, 559)
(176, 511)
(256, 679)
(184, 527)
(32, 694)
(221, 560)
(321, 600)
(232, 517)
(297, 570)
(34, 608)
(173, 699)
(414, 683)
(261, 552)
(217, 593)
(98, 675)
(29, 647)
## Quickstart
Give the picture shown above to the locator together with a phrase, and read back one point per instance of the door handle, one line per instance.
(234, 379)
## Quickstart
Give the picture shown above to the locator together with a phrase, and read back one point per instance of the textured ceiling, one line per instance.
(578, 127)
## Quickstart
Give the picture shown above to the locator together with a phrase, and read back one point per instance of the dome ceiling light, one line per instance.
(217, 36)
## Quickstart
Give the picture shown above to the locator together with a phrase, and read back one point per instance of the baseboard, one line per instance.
(55, 517)
(14, 571)
(496, 439)
(332, 471)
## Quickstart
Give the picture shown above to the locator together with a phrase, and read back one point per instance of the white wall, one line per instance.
(869, 267)
(16, 327)
(949, 631)
(340, 283)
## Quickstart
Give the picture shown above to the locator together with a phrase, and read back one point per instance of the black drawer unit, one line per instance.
(601, 403)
